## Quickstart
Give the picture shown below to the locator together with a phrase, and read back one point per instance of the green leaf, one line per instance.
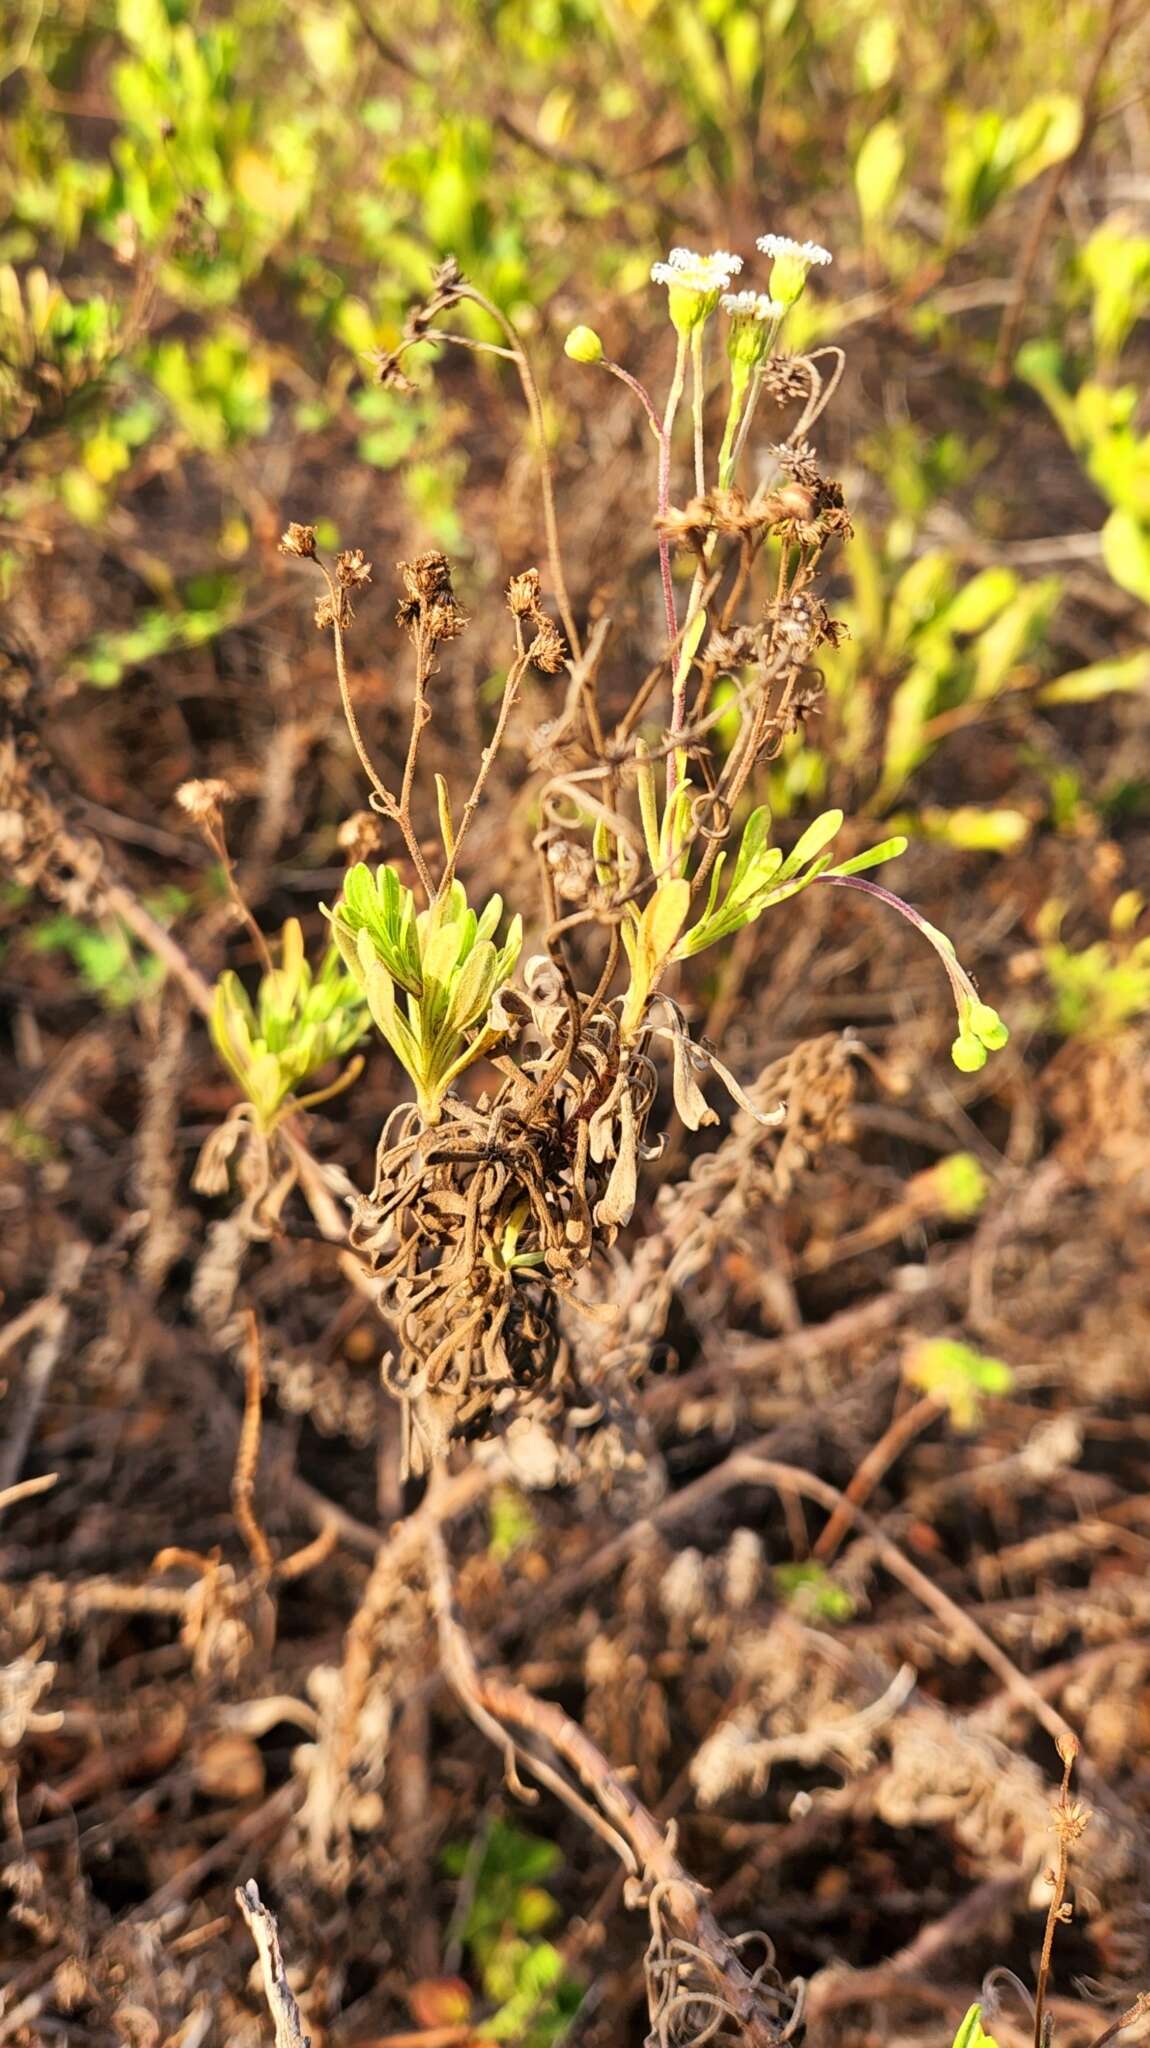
(878, 171)
(1126, 553)
(809, 845)
(1100, 679)
(662, 921)
(1003, 644)
(753, 847)
(888, 849)
(981, 600)
(971, 2033)
(648, 805)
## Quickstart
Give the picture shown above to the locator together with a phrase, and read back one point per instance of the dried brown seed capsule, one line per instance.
(352, 570)
(523, 594)
(299, 540)
(203, 799)
(548, 650)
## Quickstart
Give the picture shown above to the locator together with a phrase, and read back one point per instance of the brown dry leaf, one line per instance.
(230, 1767)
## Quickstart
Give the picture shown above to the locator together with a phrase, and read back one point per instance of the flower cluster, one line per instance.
(755, 318)
(695, 284)
(791, 264)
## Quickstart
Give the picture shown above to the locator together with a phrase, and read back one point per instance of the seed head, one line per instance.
(352, 571)
(523, 594)
(548, 650)
(299, 540)
(203, 800)
(429, 608)
(359, 837)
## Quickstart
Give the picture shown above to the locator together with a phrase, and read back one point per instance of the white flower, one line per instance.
(755, 319)
(791, 262)
(684, 270)
(751, 306)
(809, 253)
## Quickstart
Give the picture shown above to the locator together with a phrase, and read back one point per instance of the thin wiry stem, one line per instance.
(657, 428)
(641, 393)
(734, 413)
(384, 800)
(539, 427)
(507, 703)
(214, 834)
(420, 713)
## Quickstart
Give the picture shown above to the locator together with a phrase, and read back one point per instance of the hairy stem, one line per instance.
(697, 410)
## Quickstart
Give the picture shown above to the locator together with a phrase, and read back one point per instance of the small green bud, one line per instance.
(583, 345)
(754, 323)
(968, 1053)
(962, 1185)
(988, 1026)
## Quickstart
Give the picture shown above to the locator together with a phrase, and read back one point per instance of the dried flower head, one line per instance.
(686, 526)
(428, 577)
(332, 611)
(429, 608)
(353, 572)
(572, 870)
(548, 650)
(523, 594)
(800, 622)
(203, 800)
(359, 837)
(299, 540)
(797, 459)
(793, 504)
(731, 650)
(732, 514)
(786, 378)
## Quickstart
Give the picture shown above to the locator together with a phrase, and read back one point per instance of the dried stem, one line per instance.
(248, 1452)
(894, 1440)
(507, 704)
(383, 799)
(508, 1713)
(278, 1992)
(1069, 1822)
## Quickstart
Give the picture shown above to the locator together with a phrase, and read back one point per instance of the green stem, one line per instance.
(697, 408)
(740, 378)
(678, 379)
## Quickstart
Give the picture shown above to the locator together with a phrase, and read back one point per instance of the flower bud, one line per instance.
(583, 345)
